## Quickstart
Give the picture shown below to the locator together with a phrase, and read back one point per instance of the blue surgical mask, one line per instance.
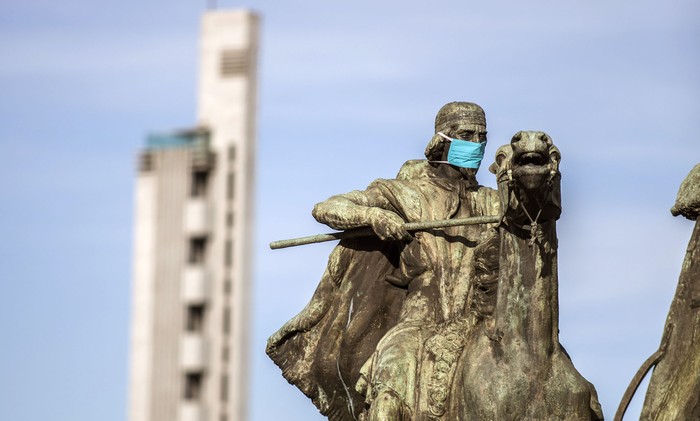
(463, 153)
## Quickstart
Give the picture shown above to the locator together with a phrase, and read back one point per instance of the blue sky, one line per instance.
(348, 92)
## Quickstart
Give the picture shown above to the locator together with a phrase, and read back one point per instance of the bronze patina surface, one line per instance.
(513, 366)
(457, 322)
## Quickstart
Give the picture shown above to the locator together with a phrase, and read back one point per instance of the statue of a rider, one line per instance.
(390, 312)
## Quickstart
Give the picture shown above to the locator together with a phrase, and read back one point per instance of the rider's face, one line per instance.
(467, 131)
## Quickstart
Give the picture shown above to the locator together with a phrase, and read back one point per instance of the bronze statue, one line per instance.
(398, 290)
(674, 389)
(393, 327)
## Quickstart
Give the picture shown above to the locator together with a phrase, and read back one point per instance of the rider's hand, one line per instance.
(387, 225)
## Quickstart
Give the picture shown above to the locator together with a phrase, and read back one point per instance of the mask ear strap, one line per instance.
(447, 138)
(444, 136)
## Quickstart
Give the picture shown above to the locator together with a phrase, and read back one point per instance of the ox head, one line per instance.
(527, 171)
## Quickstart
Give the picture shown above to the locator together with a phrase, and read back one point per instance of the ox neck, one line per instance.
(527, 307)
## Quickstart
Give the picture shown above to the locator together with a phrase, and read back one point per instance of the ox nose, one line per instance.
(530, 142)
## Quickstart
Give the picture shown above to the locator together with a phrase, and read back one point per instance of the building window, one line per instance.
(230, 186)
(146, 162)
(194, 318)
(228, 253)
(224, 354)
(199, 181)
(194, 385)
(232, 153)
(198, 246)
(224, 388)
(227, 286)
(226, 320)
(229, 219)
(233, 62)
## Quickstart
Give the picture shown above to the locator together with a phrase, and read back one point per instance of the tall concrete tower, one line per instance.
(192, 242)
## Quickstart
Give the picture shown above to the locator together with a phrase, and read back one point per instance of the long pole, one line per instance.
(366, 232)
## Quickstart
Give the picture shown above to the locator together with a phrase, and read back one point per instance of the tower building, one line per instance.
(192, 240)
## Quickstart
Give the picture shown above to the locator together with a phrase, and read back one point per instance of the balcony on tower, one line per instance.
(197, 217)
(192, 411)
(195, 284)
(193, 355)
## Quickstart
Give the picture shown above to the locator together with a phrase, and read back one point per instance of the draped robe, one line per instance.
(379, 304)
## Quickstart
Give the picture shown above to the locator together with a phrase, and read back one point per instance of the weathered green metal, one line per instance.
(365, 232)
(458, 321)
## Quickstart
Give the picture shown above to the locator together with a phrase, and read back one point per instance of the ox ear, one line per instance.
(555, 153)
(501, 156)
(493, 168)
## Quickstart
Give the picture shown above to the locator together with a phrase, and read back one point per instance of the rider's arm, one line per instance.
(362, 209)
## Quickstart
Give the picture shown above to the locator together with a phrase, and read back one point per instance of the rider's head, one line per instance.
(459, 120)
